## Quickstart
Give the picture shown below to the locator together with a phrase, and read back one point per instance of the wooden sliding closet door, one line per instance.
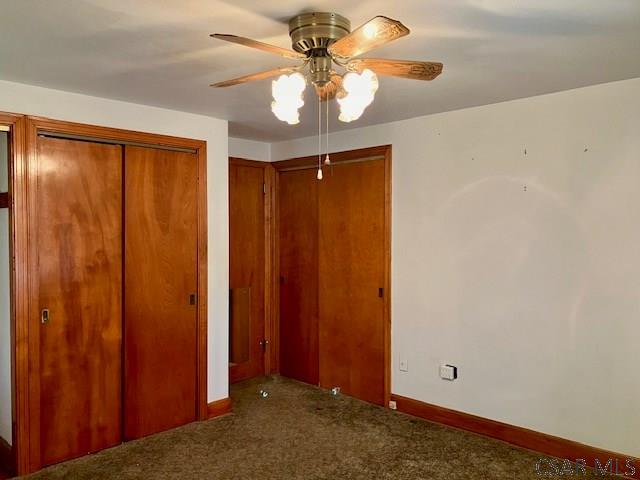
(79, 239)
(352, 274)
(246, 271)
(159, 290)
(298, 219)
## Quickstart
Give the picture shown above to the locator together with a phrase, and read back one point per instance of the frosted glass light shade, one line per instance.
(360, 90)
(287, 97)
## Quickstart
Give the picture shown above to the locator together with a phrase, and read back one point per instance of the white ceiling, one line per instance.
(158, 52)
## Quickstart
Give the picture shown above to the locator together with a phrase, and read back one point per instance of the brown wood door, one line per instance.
(79, 244)
(351, 273)
(246, 271)
(298, 219)
(160, 232)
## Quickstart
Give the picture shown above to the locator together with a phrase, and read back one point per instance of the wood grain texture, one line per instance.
(219, 408)
(292, 167)
(411, 69)
(247, 263)
(311, 161)
(351, 272)
(254, 77)
(41, 124)
(79, 244)
(26, 338)
(239, 327)
(265, 47)
(160, 338)
(26, 326)
(387, 273)
(203, 299)
(298, 266)
(272, 330)
(522, 437)
(373, 34)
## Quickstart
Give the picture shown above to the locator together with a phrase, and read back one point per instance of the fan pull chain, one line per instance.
(319, 175)
(327, 160)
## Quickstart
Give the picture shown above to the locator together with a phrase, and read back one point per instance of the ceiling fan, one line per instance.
(325, 40)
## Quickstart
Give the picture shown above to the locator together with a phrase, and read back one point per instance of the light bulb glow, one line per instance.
(287, 97)
(319, 175)
(360, 90)
(370, 30)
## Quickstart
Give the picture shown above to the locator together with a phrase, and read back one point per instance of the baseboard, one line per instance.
(522, 437)
(6, 458)
(219, 408)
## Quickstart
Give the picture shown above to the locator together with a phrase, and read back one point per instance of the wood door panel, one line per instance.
(79, 244)
(160, 275)
(246, 269)
(351, 272)
(298, 218)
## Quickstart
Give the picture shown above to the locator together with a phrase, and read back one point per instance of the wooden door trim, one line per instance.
(270, 334)
(116, 135)
(26, 442)
(336, 157)
(18, 278)
(381, 151)
(219, 408)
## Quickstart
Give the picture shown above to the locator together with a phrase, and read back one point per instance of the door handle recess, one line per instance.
(44, 316)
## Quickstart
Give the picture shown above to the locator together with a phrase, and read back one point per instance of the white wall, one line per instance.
(5, 306)
(522, 270)
(249, 149)
(59, 105)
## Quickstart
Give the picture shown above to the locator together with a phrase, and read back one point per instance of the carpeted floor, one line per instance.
(302, 432)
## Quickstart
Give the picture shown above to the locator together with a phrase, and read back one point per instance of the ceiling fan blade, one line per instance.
(247, 42)
(330, 90)
(397, 68)
(375, 33)
(254, 76)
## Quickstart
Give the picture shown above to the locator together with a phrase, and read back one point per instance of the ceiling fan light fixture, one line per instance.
(287, 93)
(322, 41)
(358, 93)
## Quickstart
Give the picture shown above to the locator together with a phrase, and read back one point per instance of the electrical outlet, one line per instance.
(404, 365)
(393, 405)
(448, 372)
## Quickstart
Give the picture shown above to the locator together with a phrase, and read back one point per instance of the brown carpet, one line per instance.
(302, 432)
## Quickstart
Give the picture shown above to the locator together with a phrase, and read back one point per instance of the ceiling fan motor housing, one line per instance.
(311, 34)
(317, 30)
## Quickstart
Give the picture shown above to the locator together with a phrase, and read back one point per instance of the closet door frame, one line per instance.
(15, 124)
(26, 341)
(362, 154)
